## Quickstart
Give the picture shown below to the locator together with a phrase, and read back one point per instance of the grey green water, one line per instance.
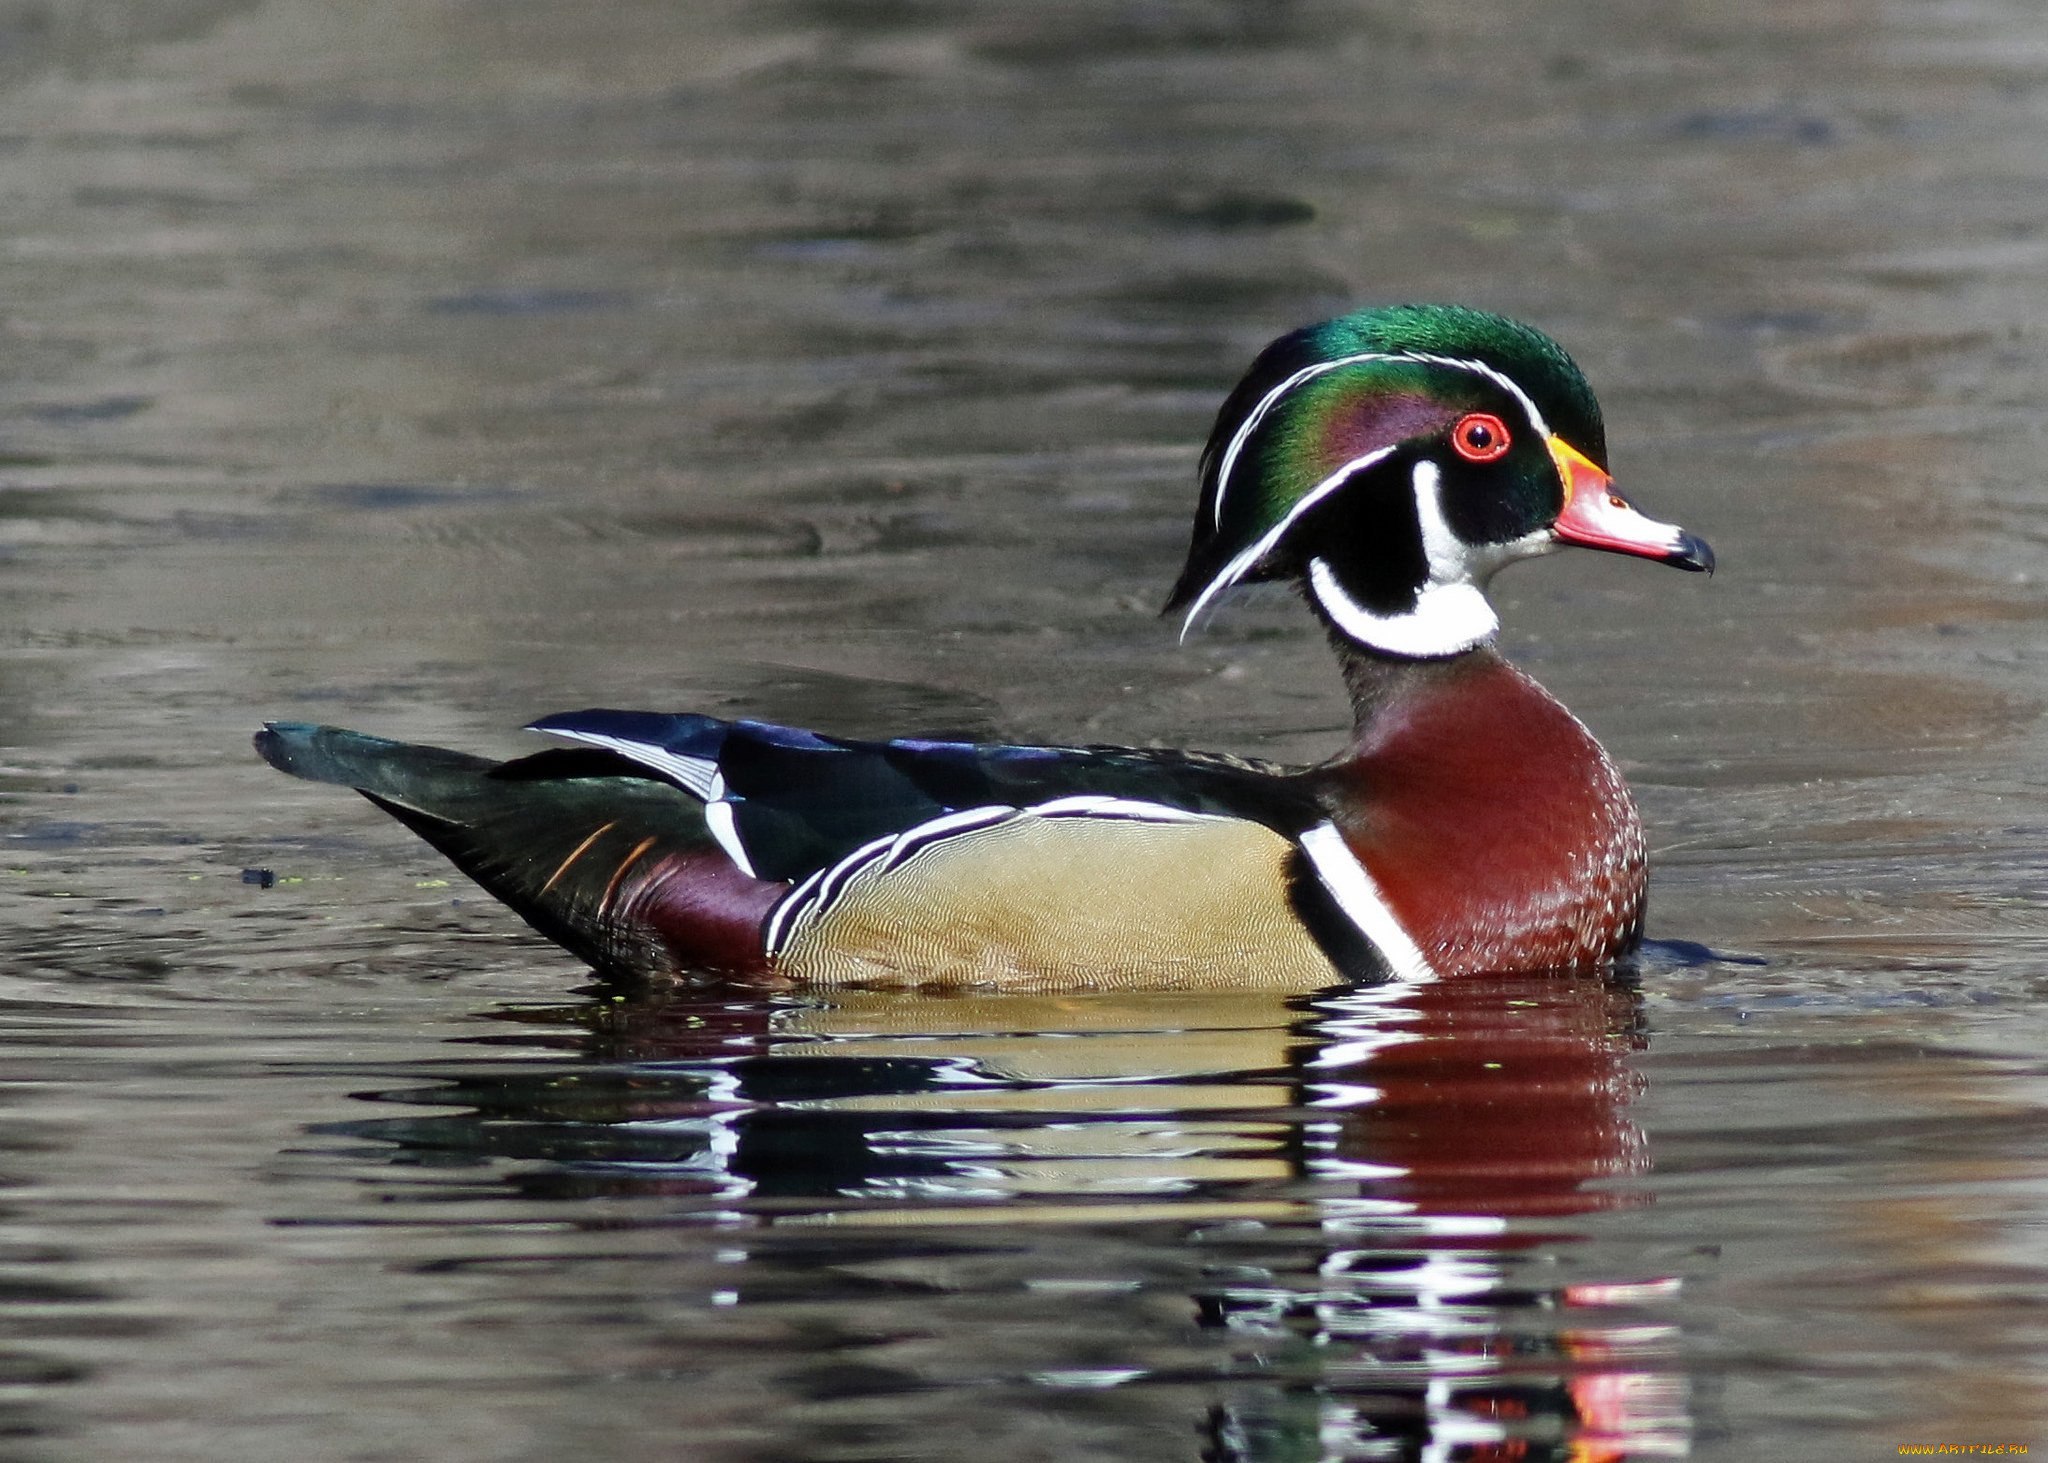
(429, 366)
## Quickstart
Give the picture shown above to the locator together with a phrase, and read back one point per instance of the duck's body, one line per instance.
(1391, 461)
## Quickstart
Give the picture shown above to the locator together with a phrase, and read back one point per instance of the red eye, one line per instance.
(1480, 436)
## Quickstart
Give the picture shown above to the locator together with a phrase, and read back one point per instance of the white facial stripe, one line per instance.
(1244, 560)
(1352, 886)
(1447, 619)
(1453, 559)
(1451, 612)
(1308, 373)
(1503, 381)
(1266, 402)
(1445, 551)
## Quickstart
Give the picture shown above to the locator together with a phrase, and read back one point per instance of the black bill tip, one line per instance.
(1693, 553)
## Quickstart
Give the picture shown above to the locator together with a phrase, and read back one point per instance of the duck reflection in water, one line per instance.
(1365, 1196)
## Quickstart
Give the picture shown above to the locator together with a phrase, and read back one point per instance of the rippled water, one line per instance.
(425, 367)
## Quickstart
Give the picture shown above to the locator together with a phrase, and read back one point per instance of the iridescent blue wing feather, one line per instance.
(800, 801)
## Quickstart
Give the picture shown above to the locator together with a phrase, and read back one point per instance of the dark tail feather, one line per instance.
(389, 771)
(615, 865)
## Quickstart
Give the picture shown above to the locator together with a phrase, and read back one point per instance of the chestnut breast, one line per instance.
(1500, 833)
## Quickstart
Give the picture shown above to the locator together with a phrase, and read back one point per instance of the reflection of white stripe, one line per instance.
(694, 773)
(1271, 536)
(1361, 900)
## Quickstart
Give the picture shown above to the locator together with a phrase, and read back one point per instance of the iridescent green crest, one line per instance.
(1357, 397)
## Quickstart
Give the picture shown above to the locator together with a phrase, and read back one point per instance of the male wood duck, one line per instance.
(1389, 462)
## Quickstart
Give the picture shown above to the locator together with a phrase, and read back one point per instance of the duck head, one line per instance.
(1393, 461)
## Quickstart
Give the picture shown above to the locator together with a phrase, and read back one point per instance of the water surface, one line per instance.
(429, 367)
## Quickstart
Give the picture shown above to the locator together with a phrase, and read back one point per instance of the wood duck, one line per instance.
(1389, 462)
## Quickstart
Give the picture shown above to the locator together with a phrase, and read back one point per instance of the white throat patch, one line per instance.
(1451, 613)
(1447, 618)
